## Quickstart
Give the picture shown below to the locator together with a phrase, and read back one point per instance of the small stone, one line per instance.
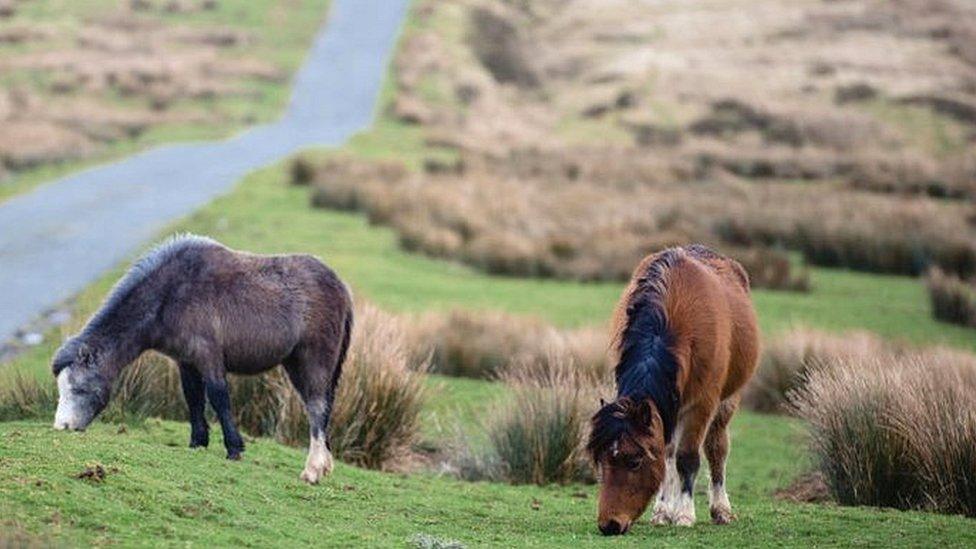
(32, 338)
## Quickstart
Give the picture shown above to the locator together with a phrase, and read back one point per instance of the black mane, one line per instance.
(647, 368)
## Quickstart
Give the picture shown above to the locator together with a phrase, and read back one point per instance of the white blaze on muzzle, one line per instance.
(67, 415)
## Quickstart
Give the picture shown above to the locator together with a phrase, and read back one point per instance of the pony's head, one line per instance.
(627, 447)
(83, 389)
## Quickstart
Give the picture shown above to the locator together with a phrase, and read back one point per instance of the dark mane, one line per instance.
(145, 266)
(647, 369)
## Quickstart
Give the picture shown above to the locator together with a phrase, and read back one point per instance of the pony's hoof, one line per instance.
(234, 456)
(311, 477)
(684, 520)
(660, 518)
(722, 516)
(198, 444)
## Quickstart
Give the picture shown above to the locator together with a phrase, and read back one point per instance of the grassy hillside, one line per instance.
(157, 491)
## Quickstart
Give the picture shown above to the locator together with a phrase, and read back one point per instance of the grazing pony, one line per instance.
(686, 341)
(215, 310)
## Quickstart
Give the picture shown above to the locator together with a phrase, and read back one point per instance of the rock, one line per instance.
(856, 92)
(411, 110)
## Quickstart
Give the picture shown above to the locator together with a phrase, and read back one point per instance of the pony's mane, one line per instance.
(152, 260)
(647, 368)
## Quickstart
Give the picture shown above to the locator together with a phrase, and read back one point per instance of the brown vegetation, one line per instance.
(953, 299)
(541, 436)
(895, 432)
(573, 163)
(482, 344)
(787, 360)
(592, 214)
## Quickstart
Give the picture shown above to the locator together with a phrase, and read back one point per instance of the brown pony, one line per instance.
(686, 341)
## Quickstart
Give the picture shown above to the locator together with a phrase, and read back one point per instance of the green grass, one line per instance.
(283, 34)
(159, 492)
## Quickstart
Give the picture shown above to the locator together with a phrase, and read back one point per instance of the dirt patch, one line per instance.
(808, 488)
(93, 473)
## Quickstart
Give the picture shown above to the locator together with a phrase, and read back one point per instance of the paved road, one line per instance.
(62, 236)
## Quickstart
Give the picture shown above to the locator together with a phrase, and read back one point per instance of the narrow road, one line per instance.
(62, 236)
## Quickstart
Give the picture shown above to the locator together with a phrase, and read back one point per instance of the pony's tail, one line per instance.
(343, 349)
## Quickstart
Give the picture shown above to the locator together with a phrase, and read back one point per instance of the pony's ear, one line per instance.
(643, 414)
(86, 355)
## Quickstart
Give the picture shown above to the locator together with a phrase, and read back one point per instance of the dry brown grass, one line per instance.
(537, 193)
(482, 344)
(376, 418)
(896, 432)
(570, 214)
(953, 299)
(541, 436)
(787, 360)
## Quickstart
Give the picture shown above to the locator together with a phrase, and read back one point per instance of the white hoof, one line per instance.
(319, 463)
(684, 512)
(311, 476)
(661, 517)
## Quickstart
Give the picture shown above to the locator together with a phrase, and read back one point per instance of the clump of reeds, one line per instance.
(895, 432)
(788, 358)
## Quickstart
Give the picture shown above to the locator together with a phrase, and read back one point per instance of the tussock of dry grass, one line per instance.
(787, 360)
(540, 437)
(896, 432)
(25, 397)
(953, 299)
(481, 344)
(376, 418)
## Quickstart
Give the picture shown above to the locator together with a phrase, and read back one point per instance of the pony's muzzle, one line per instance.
(613, 528)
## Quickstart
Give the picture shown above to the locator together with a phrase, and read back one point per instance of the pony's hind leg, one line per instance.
(313, 381)
(716, 451)
(196, 400)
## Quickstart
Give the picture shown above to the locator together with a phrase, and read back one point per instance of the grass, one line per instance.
(283, 36)
(180, 497)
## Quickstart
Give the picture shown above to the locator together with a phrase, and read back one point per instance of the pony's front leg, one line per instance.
(692, 426)
(667, 494)
(196, 401)
(219, 395)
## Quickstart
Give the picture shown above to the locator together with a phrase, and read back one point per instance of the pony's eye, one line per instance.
(634, 464)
